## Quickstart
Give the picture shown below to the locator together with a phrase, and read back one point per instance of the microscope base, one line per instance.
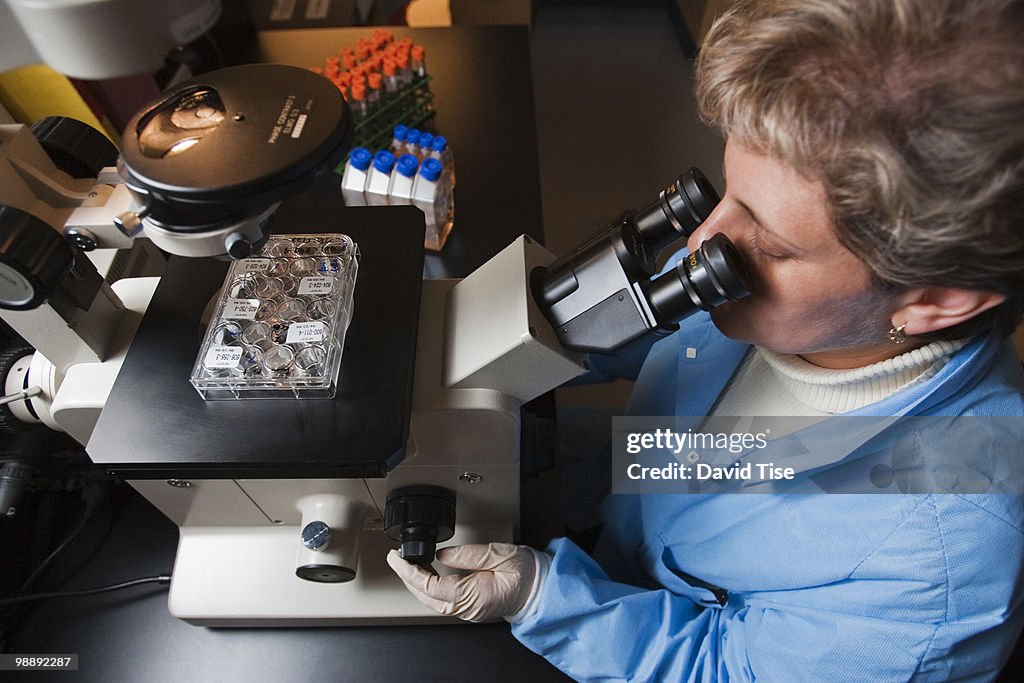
(479, 356)
(245, 577)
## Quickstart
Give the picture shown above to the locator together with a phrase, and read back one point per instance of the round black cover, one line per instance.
(241, 137)
(34, 255)
(76, 148)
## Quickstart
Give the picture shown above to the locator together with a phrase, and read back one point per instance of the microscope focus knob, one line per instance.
(237, 246)
(316, 535)
(81, 238)
(420, 517)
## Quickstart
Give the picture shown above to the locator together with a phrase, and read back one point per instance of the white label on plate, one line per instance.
(306, 333)
(255, 265)
(316, 284)
(241, 309)
(223, 357)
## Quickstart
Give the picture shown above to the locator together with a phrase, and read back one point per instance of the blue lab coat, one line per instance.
(821, 586)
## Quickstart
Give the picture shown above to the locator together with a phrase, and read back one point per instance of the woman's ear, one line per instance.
(937, 308)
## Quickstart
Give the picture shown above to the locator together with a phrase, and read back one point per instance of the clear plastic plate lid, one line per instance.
(279, 322)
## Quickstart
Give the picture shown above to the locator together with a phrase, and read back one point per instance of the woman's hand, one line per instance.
(501, 581)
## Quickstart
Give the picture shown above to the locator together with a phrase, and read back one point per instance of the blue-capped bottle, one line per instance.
(379, 178)
(440, 150)
(398, 139)
(439, 147)
(402, 179)
(432, 194)
(353, 178)
(412, 142)
(426, 140)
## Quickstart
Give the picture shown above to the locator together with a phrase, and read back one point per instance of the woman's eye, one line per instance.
(762, 252)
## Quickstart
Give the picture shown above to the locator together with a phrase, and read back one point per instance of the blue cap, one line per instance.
(400, 132)
(360, 158)
(426, 139)
(431, 169)
(439, 143)
(412, 136)
(384, 161)
(407, 165)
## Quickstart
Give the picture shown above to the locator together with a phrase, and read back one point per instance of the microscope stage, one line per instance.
(155, 425)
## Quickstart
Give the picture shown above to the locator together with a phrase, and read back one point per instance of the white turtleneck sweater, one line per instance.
(771, 384)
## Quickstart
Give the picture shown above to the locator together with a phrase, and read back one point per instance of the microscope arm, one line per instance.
(496, 336)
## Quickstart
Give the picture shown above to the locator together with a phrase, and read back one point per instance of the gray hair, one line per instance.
(910, 113)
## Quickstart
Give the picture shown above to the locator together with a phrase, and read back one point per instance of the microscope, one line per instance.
(289, 521)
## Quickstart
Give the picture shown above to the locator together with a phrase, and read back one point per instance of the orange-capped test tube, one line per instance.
(418, 62)
(333, 67)
(357, 101)
(404, 72)
(390, 78)
(373, 94)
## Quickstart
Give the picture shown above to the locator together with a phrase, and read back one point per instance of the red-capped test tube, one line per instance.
(373, 95)
(391, 83)
(418, 62)
(357, 101)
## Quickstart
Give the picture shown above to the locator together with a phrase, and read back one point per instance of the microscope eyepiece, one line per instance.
(678, 211)
(605, 294)
(708, 277)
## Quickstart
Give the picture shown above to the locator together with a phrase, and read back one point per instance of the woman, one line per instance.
(875, 182)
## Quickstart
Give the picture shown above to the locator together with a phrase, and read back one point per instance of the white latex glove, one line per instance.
(504, 577)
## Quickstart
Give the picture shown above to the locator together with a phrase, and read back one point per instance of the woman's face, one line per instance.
(811, 295)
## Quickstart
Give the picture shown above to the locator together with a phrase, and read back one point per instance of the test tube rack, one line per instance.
(412, 106)
(378, 109)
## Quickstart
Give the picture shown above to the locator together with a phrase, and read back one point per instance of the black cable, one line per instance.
(162, 579)
(49, 558)
(93, 495)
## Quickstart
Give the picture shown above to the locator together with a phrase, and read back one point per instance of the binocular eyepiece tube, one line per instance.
(708, 277)
(604, 294)
(679, 210)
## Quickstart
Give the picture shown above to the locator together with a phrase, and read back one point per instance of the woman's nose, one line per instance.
(728, 219)
(714, 223)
